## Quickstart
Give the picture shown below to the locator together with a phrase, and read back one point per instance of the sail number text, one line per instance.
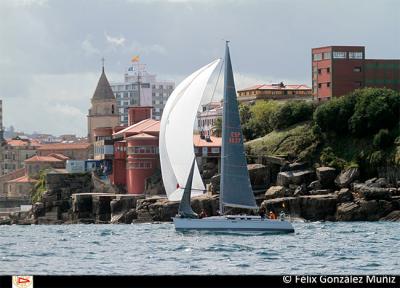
(235, 137)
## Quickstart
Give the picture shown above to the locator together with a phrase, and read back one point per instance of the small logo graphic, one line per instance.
(22, 281)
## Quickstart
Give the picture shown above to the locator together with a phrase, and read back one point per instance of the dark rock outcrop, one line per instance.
(160, 209)
(320, 192)
(38, 210)
(300, 190)
(346, 177)
(372, 193)
(392, 216)
(344, 195)
(297, 177)
(123, 209)
(310, 207)
(258, 176)
(314, 185)
(326, 176)
(215, 183)
(318, 207)
(275, 192)
(363, 210)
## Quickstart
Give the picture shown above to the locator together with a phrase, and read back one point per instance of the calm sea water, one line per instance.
(157, 249)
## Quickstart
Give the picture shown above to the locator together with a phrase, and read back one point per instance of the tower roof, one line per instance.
(103, 89)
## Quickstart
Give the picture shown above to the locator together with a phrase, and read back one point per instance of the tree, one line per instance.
(217, 127)
(375, 108)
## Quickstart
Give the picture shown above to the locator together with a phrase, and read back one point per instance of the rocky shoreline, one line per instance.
(311, 194)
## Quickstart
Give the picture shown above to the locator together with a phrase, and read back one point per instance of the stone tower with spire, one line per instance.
(103, 112)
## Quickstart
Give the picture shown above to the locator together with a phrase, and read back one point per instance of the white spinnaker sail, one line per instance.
(176, 133)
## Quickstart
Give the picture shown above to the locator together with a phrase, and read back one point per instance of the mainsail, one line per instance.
(176, 133)
(235, 188)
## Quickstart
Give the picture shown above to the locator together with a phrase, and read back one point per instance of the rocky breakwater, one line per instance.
(324, 195)
(103, 208)
(162, 210)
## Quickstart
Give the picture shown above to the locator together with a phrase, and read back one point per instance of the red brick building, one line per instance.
(338, 70)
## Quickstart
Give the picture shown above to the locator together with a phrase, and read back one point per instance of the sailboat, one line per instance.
(235, 189)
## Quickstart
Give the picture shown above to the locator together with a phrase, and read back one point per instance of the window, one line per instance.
(317, 57)
(112, 109)
(357, 69)
(355, 55)
(328, 84)
(327, 55)
(215, 150)
(358, 83)
(319, 85)
(328, 70)
(319, 71)
(339, 55)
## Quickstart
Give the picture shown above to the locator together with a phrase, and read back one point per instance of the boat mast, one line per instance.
(224, 110)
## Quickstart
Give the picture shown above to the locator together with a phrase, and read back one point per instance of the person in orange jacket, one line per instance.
(272, 215)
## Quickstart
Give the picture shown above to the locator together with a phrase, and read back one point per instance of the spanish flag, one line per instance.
(135, 58)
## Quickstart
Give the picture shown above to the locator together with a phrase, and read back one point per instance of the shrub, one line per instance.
(375, 108)
(382, 139)
(377, 158)
(291, 113)
(334, 115)
(329, 158)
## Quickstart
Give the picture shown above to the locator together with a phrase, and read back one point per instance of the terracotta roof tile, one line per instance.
(23, 179)
(37, 158)
(142, 136)
(276, 87)
(144, 126)
(64, 146)
(215, 141)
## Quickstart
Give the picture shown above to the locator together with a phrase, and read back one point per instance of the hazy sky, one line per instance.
(50, 51)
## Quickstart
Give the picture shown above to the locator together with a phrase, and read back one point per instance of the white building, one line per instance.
(207, 117)
(152, 92)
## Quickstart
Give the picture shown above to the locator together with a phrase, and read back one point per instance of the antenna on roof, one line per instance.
(102, 63)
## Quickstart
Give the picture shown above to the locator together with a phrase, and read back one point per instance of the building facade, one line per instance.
(74, 151)
(338, 70)
(36, 163)
(278, 91)
(207, 117)
(141, 88)
(103, 111)
(15, 152)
